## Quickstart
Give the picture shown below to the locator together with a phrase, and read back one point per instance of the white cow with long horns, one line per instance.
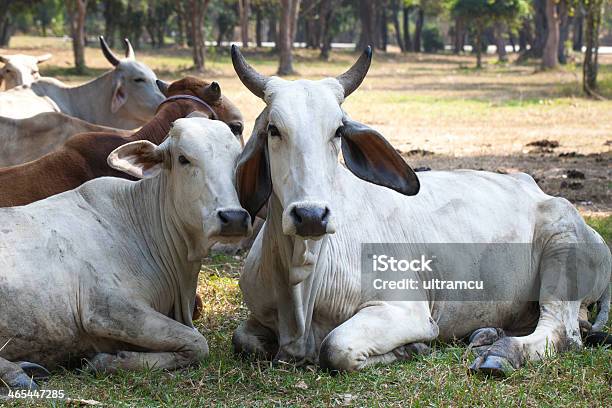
(125, 97)
(302, 280)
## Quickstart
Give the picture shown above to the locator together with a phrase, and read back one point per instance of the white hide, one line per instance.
(112, 266)
(125, 97)
(20, 69)
(311, 303)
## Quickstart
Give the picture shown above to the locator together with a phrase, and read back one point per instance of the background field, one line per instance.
(442, 114)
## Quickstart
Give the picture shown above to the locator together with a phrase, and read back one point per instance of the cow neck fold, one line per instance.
(171, 279)
(296, 337)
(156, 130)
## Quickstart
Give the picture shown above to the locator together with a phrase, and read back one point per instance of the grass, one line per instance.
(579, 379)
(433, 102)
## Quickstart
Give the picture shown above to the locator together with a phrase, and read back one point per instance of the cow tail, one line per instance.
(604, 310)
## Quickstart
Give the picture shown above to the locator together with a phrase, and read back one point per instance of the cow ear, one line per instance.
(119, 96)
(212, 93)
(43, 58)
(372, 158)
(3, 59)
(140, 159)
(253, 181)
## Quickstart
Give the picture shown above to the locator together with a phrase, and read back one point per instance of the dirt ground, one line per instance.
(437, 110)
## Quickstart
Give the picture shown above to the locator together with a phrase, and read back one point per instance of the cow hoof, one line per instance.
(20, 381)
(492, 366)
(412, 350)
(35, 371)
(485, 337)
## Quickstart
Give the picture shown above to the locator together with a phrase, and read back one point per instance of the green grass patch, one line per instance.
(603, 225)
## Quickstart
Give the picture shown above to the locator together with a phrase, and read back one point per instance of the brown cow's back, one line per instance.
(65, 169)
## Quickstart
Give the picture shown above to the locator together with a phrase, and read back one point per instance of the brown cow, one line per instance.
(83, 156)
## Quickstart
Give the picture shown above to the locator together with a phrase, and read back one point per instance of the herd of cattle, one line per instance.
(104, 229)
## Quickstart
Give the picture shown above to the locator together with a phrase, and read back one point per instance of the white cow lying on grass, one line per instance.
(125, 97)
(302, 280)
(20, 69)
(108, 271)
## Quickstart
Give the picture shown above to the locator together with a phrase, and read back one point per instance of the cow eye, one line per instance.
(139, 80)
(183, 160)
(236, 128)
(339, 131)
(273, 131)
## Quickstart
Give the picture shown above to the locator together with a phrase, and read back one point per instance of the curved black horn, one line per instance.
(107, 52)
(252, 79)
(129, 51)
(352, 78)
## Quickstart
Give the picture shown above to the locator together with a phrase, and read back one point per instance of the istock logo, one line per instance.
(384, 263)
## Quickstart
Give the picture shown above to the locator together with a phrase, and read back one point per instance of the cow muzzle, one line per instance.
(234, 223)
(308, 220)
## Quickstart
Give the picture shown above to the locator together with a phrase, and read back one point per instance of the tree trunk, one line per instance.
(418, 29)
(244, 9)
(179, 8)
(285, 36)
(395, 7)
(500, 43)
(273, 29)
(578, 28)
(406, 20)
(369, 29)
(550, 54)
(198, 11)
(541, 28)
(258, 27)
(382, 23)
(76, 11)
(591, 33)
(565, 21)
(478, 47)
(326, 14)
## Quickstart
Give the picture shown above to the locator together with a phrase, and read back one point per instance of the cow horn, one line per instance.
(129, 51)
(107, 52)
(253, 80)
(352, 78)
(163, 86)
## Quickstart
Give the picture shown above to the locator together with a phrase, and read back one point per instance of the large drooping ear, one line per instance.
(141, 159)
(43, 58)
(372, 158)
(119, 97)
(3, 59)
(253, 181)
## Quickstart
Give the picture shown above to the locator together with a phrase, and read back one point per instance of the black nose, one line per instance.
(234, 222)
(310, 221)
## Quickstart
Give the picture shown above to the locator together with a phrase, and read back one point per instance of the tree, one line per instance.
(593, 13)
(483, 14)
(550, 54)
(197, 12)
(288, 23)
(244, 10)
(77, 10)
(9, 10)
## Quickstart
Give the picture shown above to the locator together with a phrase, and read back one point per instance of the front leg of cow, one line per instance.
(380, 332)
(169, 344)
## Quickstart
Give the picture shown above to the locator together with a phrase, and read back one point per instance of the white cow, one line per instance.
(20, 69)
(125, 97)
(302, 280)
(109, 271)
